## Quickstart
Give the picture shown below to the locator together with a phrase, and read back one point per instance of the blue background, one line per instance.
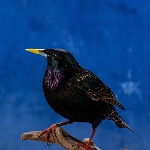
(109, 37)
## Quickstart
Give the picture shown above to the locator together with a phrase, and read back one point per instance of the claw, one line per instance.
(89, 142)
(47, 132)
(87, 147)
(52, 129)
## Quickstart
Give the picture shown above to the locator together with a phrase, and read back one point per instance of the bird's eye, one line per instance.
(50, 55)
(54, 55)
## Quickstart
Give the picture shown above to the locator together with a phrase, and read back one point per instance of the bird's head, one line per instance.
(57, 58)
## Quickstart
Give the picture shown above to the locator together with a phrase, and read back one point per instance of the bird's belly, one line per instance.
(76, 108)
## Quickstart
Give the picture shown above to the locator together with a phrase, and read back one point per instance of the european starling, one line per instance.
(76, 93)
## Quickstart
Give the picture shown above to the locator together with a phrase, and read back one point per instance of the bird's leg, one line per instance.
(87, 147)
(52, 128)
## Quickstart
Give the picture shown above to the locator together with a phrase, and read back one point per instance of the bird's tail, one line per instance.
(114, 116)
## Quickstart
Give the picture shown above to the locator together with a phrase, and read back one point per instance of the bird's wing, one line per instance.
(96, 90)
(103, 93)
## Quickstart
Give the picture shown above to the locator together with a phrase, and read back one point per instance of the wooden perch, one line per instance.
(61, 137)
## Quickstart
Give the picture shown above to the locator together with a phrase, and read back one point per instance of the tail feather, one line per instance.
(114, 116)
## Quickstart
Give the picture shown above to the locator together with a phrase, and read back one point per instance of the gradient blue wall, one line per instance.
(109, 37)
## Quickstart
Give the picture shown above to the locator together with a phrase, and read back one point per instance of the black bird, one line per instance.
(76, 93)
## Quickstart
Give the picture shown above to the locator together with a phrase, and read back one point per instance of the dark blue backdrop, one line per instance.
(109, 37)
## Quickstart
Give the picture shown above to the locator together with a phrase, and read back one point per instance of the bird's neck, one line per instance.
(52, 78)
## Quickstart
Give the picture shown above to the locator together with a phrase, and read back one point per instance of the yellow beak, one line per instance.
(36, 51)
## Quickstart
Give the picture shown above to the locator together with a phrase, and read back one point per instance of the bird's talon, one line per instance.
(47, 132)
(43, 132)
(87, 147)
(48, 144)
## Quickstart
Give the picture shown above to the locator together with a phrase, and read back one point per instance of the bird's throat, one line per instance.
(52, 78)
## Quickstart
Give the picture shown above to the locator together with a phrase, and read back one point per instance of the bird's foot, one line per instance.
(52, 129)
(47, 132)
(86, 144)
(89, 145)
(86, 147)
